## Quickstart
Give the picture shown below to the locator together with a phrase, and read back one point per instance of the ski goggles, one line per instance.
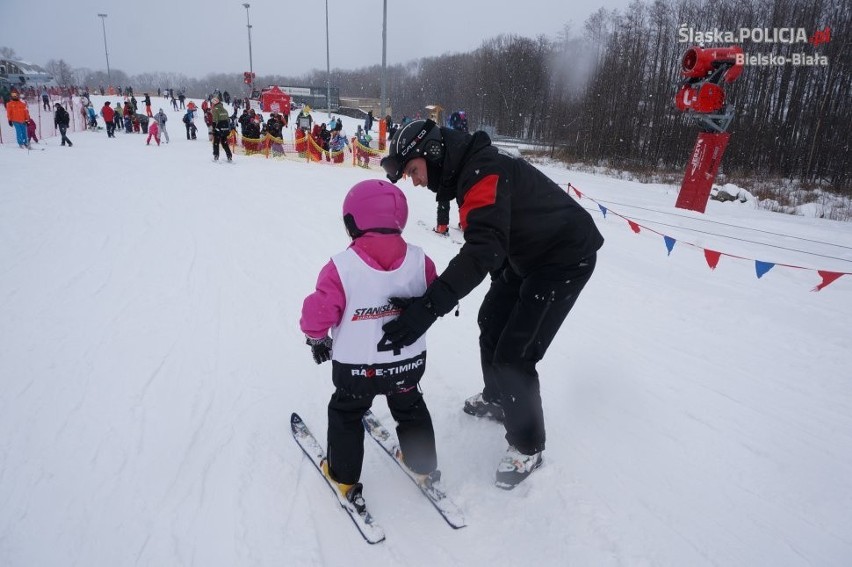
(393, 168)
(394, 165)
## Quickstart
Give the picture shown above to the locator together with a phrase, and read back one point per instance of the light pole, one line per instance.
(384, 57)
(106, 51)
(251, 66)
(327, 64)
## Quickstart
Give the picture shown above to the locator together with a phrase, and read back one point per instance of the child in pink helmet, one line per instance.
(355, 295)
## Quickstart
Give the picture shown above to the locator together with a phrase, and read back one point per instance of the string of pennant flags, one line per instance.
(711, 256)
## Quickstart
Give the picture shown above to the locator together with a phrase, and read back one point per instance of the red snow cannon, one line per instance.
(705, 71)
(697, 63)
(704, 97)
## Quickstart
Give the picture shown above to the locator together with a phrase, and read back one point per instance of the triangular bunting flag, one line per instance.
(670, 242)
(712, 258)
(762, 267)
(603, 209)
(577, 191)
(633, 226)
(827, 278)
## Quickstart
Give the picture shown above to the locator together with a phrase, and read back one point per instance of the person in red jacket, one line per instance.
(17, 114)
(109, 119)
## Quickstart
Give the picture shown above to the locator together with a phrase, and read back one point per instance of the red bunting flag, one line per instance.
(633, 226)
(577, 191)
(712, 258)
(827, 278)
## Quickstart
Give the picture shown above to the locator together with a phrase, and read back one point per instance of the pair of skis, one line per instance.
(369, 529)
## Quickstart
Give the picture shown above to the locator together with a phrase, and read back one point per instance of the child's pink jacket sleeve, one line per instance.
(323, 309)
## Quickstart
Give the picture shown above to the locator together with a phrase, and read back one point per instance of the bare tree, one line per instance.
(62, 72)
(8, 53)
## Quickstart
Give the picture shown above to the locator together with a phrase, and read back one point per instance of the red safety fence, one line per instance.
(305, 148)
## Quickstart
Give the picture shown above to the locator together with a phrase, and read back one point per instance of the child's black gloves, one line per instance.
(320, 348)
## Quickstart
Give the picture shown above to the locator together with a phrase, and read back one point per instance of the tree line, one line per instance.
(604, 94)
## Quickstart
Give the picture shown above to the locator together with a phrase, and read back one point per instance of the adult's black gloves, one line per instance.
(320, 348)
(418, 314)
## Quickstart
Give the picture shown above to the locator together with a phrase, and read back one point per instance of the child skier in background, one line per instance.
(92, 117)
(153, 131)
(31, 131)
(352, 299)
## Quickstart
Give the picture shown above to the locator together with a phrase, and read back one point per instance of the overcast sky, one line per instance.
(196, 37)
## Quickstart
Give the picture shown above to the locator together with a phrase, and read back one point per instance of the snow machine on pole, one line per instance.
(702, 96)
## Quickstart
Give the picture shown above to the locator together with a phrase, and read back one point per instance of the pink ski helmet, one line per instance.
(374, 206)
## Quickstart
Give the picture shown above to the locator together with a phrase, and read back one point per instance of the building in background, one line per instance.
(23, 74)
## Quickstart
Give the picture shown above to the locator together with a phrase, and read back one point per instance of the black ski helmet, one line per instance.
(418, 138)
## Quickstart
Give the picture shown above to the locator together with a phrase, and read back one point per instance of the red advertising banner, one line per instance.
(701, 170)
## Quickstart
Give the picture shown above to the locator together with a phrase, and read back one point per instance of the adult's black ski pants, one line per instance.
(517, 321)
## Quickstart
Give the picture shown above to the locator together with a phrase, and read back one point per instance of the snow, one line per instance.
(150, 357)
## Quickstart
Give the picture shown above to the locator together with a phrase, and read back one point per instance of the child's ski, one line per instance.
(370, 530)
(431, 490)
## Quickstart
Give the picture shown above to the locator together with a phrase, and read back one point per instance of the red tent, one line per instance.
(274, 99)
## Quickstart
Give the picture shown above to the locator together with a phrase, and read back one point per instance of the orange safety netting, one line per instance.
(303, 146)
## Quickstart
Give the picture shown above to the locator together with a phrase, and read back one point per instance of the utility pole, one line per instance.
(384, 58)
(251, 66)
(327, 64)
(106, 51)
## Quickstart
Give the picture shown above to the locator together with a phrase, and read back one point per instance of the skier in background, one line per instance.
(161, 119)
(458, 121)
(153, 132)
(352, 301)
(108, 115)
(189, 122)
(119, 116)
(147, 101)
(61, 120)
(220, 125)
(31, 131)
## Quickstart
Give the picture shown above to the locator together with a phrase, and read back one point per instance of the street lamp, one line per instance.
(327, 64)
(384, 56)
(106, 51)
(248, 25)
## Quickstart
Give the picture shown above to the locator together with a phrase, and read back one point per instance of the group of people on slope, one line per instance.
(154, 125)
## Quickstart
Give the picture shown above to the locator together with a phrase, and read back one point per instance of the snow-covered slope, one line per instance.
(150, 358)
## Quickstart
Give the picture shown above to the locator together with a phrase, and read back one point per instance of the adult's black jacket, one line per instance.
(511, 214)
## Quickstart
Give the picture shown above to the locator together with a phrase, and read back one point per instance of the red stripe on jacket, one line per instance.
(482, 194)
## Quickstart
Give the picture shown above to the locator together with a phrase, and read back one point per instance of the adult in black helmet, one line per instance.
(538, 245)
